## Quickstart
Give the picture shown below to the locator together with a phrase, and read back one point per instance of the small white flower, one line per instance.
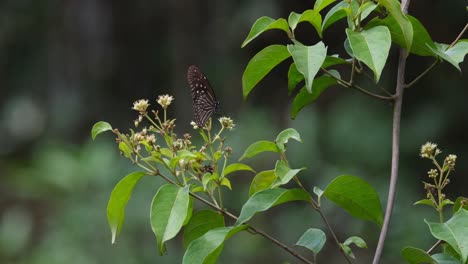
(140, 105)
(227, 122)
(427, 150)
(165, 100)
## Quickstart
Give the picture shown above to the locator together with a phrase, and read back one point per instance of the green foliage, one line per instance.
(371, 47)
(308, 60)
(313, 239)
(266, 199)
(259, 147)
(356, 196)
(200, 223)
(261, 64)
(100, 127)
(454, 232)
(415, 256)
(198, 173)
(169, 210)
(207, 248)
(118, 201)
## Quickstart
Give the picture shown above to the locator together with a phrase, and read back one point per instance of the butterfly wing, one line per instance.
(203, 97)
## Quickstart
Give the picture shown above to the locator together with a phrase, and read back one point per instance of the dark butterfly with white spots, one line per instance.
(203, 96)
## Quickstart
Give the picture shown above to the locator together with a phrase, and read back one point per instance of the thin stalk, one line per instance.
(400, 87)
(459, 36)
(354, 86)
(422, 74)
(335, 238)
(434, 246)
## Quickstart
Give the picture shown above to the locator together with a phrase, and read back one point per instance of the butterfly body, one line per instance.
(203, 97)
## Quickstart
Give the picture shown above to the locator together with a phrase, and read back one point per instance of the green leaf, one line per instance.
(261, 64)
(283, 173)
(226, 182)
(356, 196)
(263, 24)
(284, 136)
(347, 250)
(100, 127)
(454, 55)
(371, 47)
(425, 202)
(454, 232)
(335, 14)
(394, 7)
(259, 147)
(332, 61)
(442, 258)
(263, 180)
(321, 4)
(313, 239)
(118, 201)
(366, 9)
(125, 149)
(308, 60)
(461, 202)
(236, 167)
(422, 41)
(314, 18)
(206, 249)
(266, 199)
(318, 192)
(202, 222)
(293, 20)
(359, 242)
(168, 212)
(294, 77)
(416, 256)
(207, 178)
(167, 152)
(304, 98)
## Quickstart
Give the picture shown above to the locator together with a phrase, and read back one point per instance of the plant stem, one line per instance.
(252, 228)
(335, 238)
(459, 36)
(422, 74)
(400, 87)
(434, 246)
(349, 85)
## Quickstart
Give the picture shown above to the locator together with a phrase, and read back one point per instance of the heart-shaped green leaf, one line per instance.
(371, 47)
(308, 60)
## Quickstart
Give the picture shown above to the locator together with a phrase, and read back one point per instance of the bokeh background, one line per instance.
(65, 65)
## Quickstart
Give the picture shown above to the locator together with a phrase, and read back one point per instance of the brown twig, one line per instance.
(354, 86)
(400, 87)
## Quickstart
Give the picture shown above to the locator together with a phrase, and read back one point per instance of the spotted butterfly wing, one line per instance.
(203, 97)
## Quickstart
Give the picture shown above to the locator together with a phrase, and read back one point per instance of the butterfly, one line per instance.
(203, 97)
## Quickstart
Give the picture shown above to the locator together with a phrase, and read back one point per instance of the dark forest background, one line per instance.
(65, 65)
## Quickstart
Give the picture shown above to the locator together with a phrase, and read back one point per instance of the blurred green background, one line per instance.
(65, 65)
